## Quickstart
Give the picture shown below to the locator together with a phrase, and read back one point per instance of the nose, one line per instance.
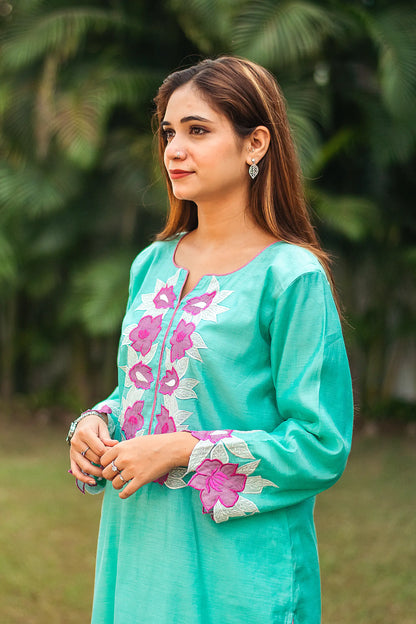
(173, 151)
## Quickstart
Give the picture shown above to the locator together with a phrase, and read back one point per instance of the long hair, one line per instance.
(249, 96)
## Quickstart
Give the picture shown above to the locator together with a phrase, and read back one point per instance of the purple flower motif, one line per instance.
(169, 382)
(141, 375)
(133, 419)
(145, 333)
(165, 423)
(165, 298)
(212, 436)
(181, 340)
(217, 482)
(198, 304)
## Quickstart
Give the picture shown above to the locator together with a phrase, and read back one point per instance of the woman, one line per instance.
(231, 347)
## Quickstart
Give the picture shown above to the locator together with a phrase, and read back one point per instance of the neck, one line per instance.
(219, 224)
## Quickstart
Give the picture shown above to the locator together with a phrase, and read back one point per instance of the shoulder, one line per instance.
(288, 263)
(154, 253)
(298, 290)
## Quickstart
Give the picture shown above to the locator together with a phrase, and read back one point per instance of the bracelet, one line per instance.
(74, 423)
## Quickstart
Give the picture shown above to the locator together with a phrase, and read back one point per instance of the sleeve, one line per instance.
(239, 473)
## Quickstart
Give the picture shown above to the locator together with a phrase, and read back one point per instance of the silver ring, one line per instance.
(83, 452)
(122, 478)
(114, 467)
(178, 154)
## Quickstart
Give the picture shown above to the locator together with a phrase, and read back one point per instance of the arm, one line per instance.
(243, 472)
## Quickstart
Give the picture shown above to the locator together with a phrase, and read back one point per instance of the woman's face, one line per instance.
(205, 159)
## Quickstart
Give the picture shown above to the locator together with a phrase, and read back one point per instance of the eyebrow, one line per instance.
(186, 119)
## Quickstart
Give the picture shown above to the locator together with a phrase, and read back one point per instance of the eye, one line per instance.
(198, 130)
(167, 134)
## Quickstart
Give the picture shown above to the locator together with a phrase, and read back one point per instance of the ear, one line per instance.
(257, 144)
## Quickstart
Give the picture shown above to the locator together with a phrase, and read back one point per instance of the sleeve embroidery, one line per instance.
(220, 482)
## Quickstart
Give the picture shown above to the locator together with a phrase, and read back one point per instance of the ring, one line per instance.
(83, 452)
(114, 467)
(178, 154)
(122, 478)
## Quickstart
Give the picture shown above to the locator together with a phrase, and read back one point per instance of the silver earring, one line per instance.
(253, 169)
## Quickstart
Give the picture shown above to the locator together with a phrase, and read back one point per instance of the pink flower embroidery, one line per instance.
(212, 436)
(106, 409)
(169, 382)
(181, 340)
(165, 423)
(141, 375)
(133, 419)
(145, 333)
(217, 482)
(197, 304)
(165, 298)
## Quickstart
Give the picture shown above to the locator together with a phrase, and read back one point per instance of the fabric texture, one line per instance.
(253, 364)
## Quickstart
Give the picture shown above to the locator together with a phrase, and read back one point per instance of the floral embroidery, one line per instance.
(209, 307)
(165, 424)
(162, 298)
(133, 420)
(169, 382)
(162, 480)
(207, 450)
(181, 340)
(217, 482)
(145, 333)
(196, 305)
(165, 298)
(212, 436)
(141, 375)
(105, 409)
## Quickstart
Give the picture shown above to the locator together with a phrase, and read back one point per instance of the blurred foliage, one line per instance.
(80, 194)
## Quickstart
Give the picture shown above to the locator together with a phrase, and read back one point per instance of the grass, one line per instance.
(366, 528)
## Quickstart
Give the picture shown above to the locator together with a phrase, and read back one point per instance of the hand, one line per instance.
(144, 459)
(90, 441)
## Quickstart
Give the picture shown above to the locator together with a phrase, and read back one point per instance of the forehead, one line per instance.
(188, 100)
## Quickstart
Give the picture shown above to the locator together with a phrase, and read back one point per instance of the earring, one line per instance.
(253, 169)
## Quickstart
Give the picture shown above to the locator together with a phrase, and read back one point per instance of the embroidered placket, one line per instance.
(162, 351)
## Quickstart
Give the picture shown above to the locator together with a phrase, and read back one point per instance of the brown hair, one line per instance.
(249, 96)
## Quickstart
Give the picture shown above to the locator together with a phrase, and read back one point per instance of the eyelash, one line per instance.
(168, 133)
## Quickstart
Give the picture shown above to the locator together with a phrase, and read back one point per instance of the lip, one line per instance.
(175, 174)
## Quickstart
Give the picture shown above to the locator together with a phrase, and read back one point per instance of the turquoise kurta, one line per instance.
(254, 363)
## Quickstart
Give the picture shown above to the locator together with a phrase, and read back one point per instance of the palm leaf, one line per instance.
(394, 31)
(81, 113)
(279, 34)
(33, 36)
(355, 218)
(207, 22)
(32, 191)
(98, 294)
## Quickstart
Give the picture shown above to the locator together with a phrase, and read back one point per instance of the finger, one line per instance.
(104, 435)
(78, 474)
(90, 455)
(109, 455)
(131, 487)
(120, 480)
(88, 445)
(112, 470)
(84, 464)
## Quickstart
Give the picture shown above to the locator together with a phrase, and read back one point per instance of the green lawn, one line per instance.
(366, 529)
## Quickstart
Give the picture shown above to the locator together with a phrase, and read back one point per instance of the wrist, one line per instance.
(184, 445)
(81, 417)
